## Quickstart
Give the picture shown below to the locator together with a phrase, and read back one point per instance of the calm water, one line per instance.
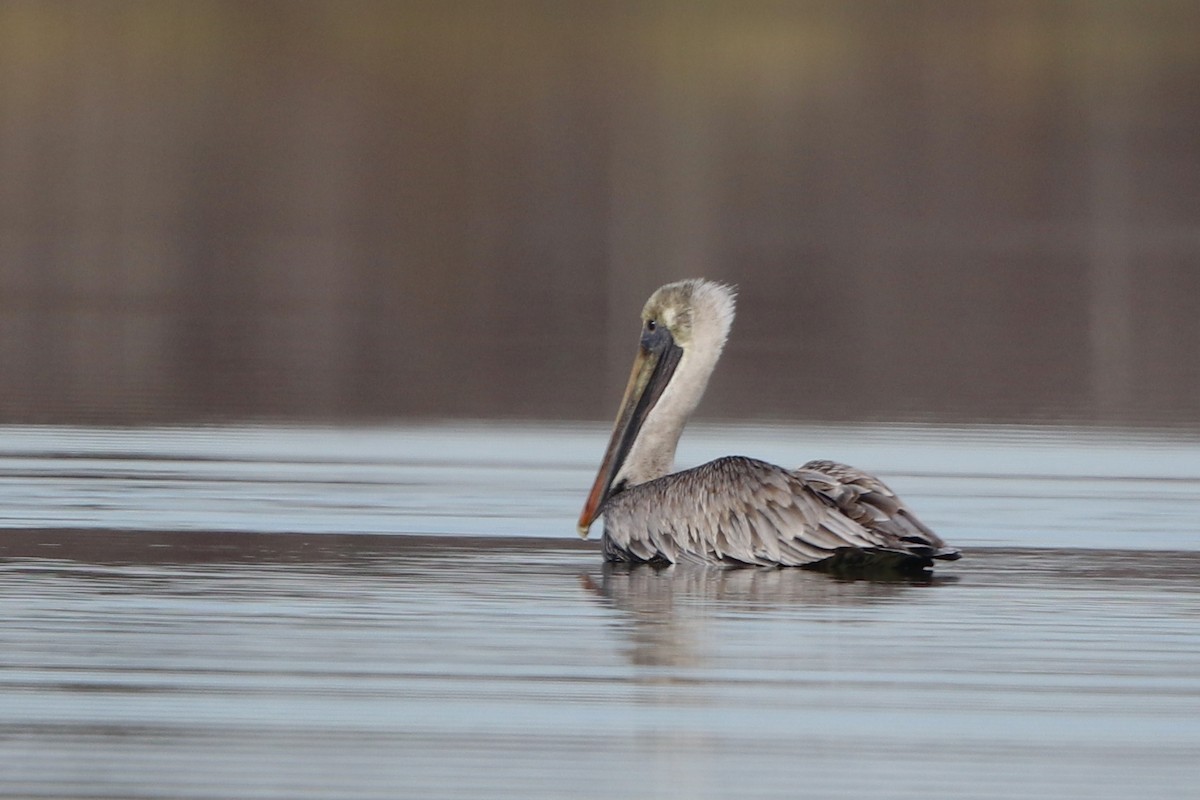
(406, 612)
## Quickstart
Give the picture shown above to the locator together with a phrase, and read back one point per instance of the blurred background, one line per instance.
(934, 211)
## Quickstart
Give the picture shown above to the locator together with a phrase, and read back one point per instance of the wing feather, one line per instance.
(868, 500)
(741, 510)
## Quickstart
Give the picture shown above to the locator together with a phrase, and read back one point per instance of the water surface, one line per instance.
(405, 612)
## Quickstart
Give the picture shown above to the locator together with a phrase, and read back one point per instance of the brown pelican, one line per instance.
(734, 510)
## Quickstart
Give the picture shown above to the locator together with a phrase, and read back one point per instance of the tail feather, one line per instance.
(875, 563)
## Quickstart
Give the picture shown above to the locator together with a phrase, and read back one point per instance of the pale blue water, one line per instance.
(248, 612)
(1018, 486)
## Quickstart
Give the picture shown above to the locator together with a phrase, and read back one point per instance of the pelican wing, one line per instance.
(868, 500)
(743, 511)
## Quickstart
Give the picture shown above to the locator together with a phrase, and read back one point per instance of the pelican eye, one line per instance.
(651, 324)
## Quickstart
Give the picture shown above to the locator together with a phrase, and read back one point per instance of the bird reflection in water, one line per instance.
(672, 609)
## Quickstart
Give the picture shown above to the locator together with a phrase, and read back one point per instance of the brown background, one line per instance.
(364, 210)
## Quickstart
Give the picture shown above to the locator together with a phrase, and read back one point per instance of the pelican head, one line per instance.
(684, 328)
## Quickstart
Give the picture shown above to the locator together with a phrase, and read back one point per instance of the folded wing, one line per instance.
(738, 510)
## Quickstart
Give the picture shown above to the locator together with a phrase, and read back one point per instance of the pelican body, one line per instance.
(735, 510)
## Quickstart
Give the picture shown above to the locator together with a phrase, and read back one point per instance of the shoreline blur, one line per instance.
(352, 211)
